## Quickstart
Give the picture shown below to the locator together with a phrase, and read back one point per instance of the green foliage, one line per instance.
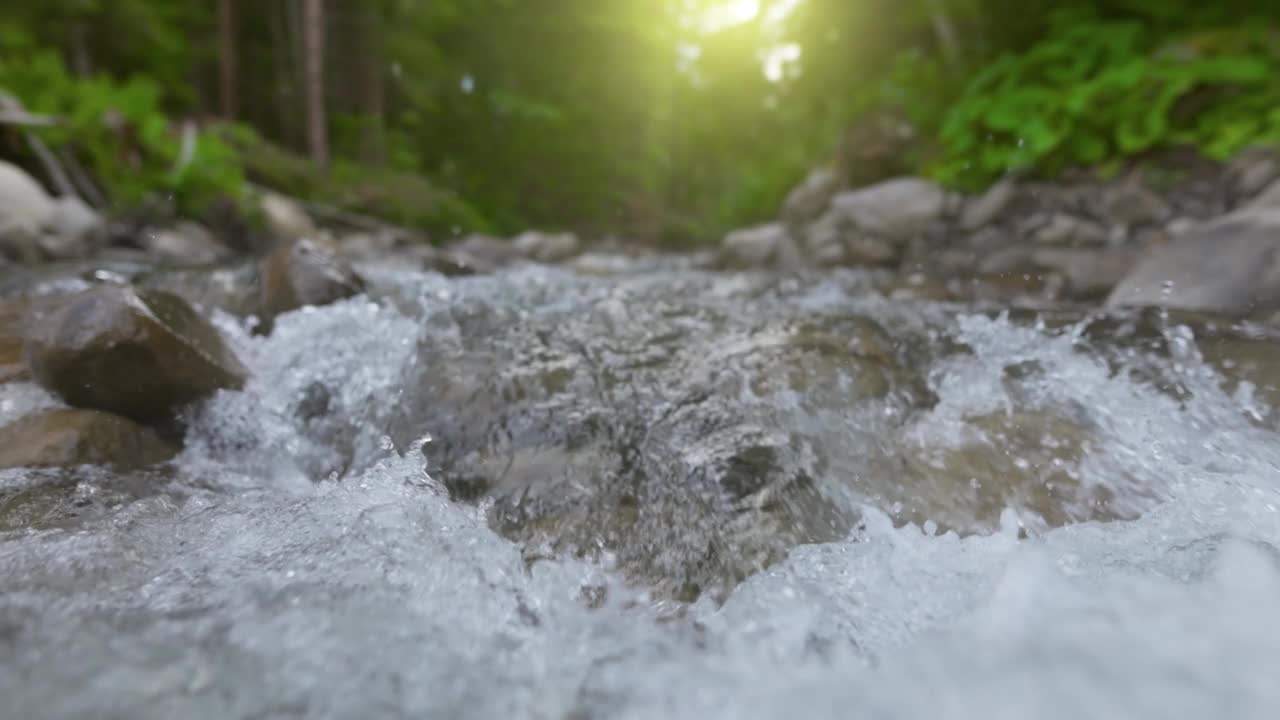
(398, 197)
(122, 134)
(635, 116)
(1096, 91)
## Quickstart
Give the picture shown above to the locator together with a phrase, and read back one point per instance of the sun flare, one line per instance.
(727, 13)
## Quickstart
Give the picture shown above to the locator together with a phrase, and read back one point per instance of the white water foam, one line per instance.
(249, 591)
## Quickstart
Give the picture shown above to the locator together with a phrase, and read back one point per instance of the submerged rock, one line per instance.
(1027, 460)
(68, 437)
(686, 466)
(139, 353)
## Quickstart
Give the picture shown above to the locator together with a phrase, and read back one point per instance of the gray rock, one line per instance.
(896, 209)
(1088, 272)
(186, 243)
(547, 247)
(487, 252)
(1230, 266)
(1063, 229)
(980, 211)
(74, 230)
(1014, 258)
(762, 246)
(137, 353)
(1252, 170)
(1268, 197)
(810, 198)
(69, 437)
(25, 211)
(834, 241)
(1131, 203)
(285, 218)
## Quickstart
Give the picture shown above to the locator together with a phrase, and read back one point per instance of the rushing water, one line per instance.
(994, 515)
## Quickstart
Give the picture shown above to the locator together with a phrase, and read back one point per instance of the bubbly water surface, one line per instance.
(316, 569)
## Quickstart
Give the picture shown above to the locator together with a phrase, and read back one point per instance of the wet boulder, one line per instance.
(962, 474)
(1229, 266)
(301, 273)
(139, 353)
(68, 437)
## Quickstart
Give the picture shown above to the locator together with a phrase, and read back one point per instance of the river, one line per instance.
(663, 493)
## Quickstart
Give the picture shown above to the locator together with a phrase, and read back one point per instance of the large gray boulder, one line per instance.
(897, 209)
(1229, 266)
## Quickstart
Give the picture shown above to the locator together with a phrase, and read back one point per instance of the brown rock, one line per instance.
(1024, 459)
(304, 272)
(68, 437)
(138, 353)
(12, 315)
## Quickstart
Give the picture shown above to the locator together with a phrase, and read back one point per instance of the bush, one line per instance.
(397, 197)
(1096, 92)
(120, 131)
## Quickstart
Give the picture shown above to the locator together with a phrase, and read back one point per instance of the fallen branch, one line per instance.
(10, 107)
(88, 189)
(22, 118)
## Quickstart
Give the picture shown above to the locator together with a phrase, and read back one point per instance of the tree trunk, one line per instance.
(227, 58)
(945, 33)
(372, 97)
(313, 32)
